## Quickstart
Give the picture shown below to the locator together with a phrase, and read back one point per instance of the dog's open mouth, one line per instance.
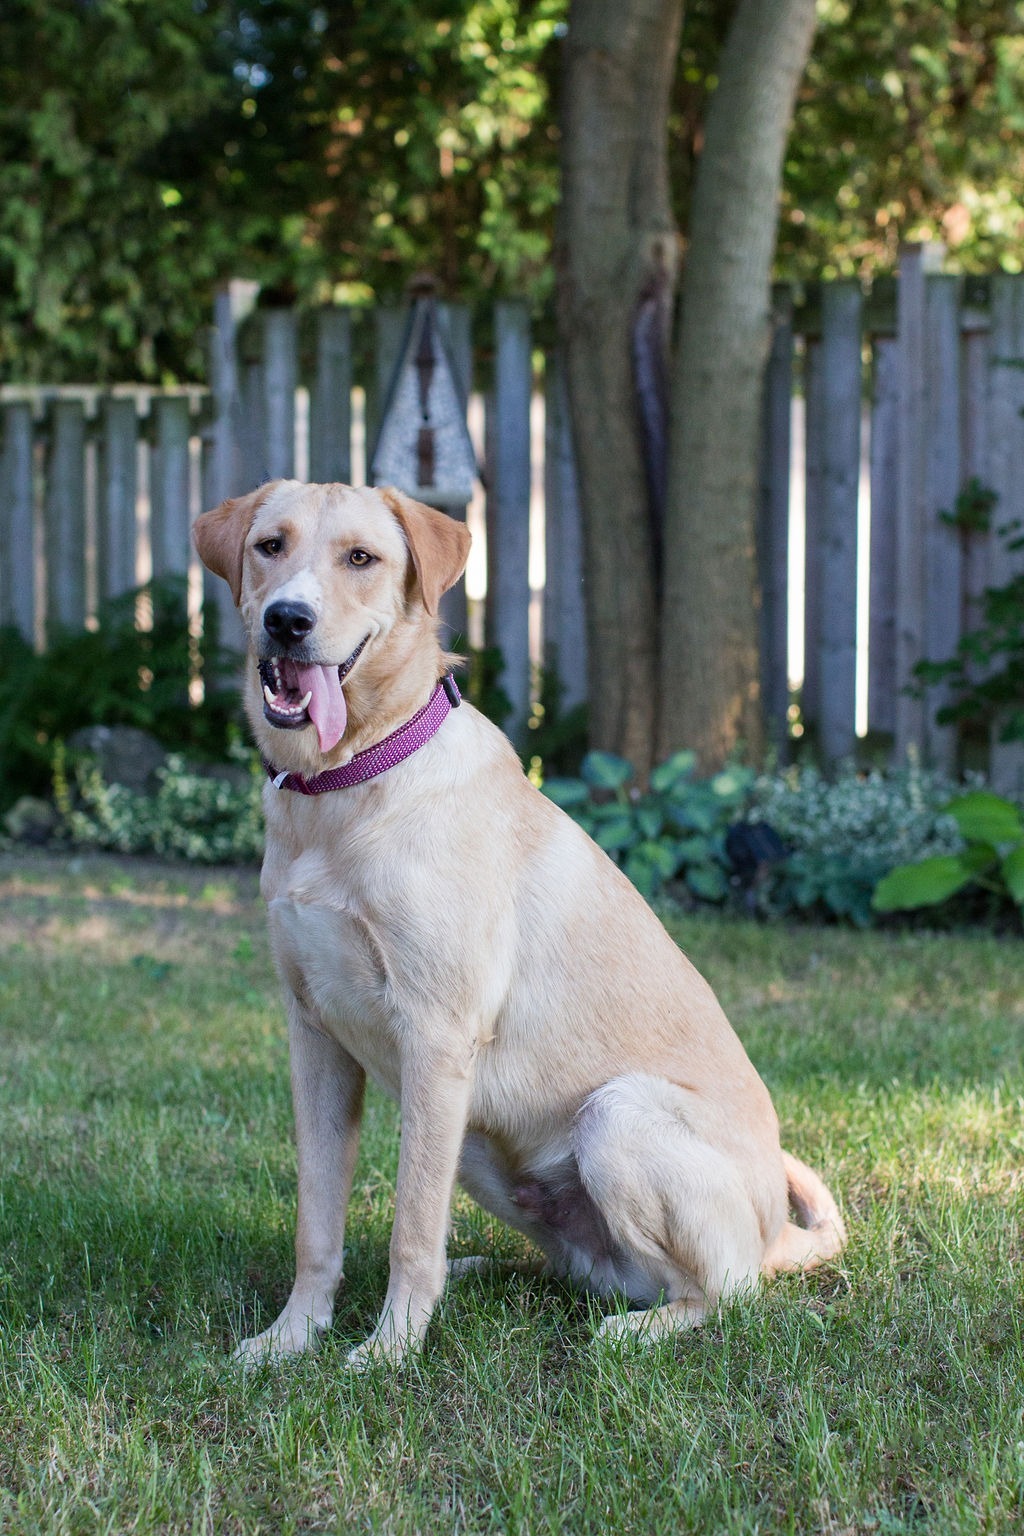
(296, 694)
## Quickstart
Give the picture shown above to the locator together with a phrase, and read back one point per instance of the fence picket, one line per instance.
(564, 619)
(911, 507)
(508, 507)
(837, 535)
(170, 513)
(884, 451)
(974, 424)
(280, 377)
(1006, 425)
(942, 576)
(389, 321)
(117, 490)
(64, 510)
(330, 399)
(814, 468)
(18, 549)
(773, 523)
(223, 471)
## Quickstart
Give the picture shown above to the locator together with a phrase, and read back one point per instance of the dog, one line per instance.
(440, 926)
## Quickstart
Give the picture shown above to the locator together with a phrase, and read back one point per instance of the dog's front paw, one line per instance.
(380, 1349)
(387, 1345)
(284, 1340)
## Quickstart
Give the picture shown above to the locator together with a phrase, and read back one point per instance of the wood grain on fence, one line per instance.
(1006, 472)
(64, 532)
(508, 507)
(814, 469)
(170, 502)
(773, 522)
(564, 613)
(118, 490)
(836, 565)
(884, 496)
(330, 399)
(942, 573)
(19, 534)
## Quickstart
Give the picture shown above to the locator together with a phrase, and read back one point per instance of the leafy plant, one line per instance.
(481, 681)
(985, 674)
(199, 817)
(114, 675)
(817, 885)
(845, 833)
(675, 830)
(993, 831)
(972, 510)
(558, 736)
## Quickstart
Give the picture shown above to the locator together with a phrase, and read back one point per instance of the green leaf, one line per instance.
(986, 818)
(616, 833)
(603, 770)
(708, 882)
(930, 882)
(648, 865)
(642, 876)
(659, 856)
(692, 814)
(649, 820)
(1012, 869)
(693, 850)
(732, 783)
(669, 773)
(566, 792)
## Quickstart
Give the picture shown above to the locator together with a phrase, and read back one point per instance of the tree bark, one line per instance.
(709, 643)
(617, 252)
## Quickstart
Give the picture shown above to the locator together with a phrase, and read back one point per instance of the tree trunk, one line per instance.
(616, 267)
(709, 645)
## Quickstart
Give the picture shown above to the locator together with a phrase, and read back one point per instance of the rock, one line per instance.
(31, 821)
(124, 754)
(235, 774)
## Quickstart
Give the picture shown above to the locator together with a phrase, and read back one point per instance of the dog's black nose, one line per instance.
(288, 622)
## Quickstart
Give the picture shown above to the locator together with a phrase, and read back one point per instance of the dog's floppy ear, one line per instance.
(439, 544)
(220, 536)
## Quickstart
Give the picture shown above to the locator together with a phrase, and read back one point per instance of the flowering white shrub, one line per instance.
(191, 816)
(876, 818)
(844, 835)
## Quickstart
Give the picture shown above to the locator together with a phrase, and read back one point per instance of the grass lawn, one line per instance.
(147, 1196)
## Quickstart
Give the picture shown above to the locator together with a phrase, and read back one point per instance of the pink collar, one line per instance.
(415, 733)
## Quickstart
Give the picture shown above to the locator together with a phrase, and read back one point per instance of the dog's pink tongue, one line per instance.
(326, 708)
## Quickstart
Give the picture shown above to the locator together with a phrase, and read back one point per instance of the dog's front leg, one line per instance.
(327, 1094)
(434, 1101)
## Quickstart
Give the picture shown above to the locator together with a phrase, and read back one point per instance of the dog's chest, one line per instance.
(332, 962)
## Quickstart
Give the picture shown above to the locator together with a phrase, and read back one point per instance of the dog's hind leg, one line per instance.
(677, 1208)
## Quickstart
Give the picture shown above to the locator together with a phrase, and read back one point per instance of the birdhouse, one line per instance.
(423, 446)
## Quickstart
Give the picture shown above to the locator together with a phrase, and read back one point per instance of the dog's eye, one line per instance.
(270, 547)
(360, 557)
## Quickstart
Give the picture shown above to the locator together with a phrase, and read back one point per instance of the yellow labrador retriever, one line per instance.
(442, 927)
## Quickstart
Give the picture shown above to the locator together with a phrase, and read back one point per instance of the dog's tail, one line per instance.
(820, 1234)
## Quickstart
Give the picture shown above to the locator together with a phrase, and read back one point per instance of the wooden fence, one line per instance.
(879, 408)
(909, 393)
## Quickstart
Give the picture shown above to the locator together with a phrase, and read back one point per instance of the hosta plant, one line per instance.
(673, 830)
(993, 858)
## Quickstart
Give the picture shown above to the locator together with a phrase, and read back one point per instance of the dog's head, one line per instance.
(338, 588)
